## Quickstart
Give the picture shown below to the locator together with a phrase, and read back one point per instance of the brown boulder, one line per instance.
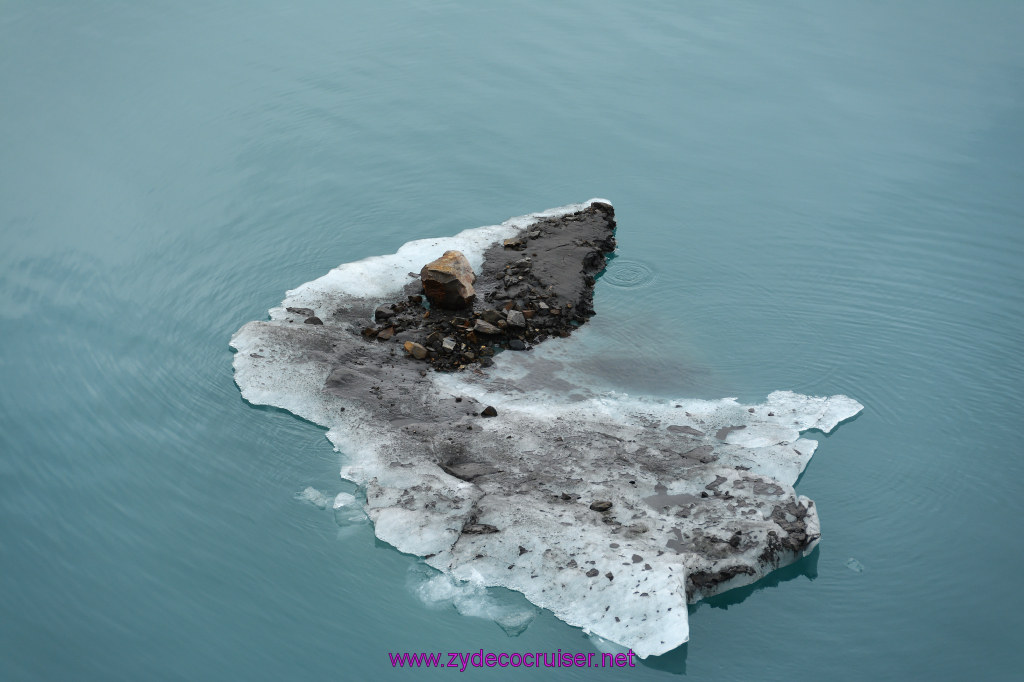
(448, 281)
(416, 350)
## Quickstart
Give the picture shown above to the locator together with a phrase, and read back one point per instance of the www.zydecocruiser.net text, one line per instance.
(461, 660)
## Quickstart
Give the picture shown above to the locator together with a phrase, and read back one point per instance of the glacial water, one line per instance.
(822, 197)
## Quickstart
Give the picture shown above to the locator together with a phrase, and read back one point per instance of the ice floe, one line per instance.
(612, 511)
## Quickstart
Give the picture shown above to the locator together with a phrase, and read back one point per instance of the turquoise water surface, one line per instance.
(821, 196)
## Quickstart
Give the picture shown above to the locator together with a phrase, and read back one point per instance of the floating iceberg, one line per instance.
(611, 511)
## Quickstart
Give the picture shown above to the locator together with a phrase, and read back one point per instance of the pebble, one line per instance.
(485, 327)
(416, 350)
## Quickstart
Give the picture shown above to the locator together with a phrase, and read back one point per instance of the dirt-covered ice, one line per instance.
(611, 511)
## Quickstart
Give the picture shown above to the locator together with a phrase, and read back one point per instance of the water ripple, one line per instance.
(628, 274)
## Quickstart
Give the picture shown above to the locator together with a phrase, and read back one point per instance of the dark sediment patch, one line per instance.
(661, 499)
(534, 286)
(724, 432)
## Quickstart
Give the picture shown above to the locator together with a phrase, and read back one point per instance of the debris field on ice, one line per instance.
(613, 512)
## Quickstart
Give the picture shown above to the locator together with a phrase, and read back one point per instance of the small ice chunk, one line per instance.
(510, 611)
(344, 500)
(314, 497)
(348, 510)
(854, 565)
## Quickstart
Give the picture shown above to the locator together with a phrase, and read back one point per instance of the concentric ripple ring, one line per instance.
(628, 274)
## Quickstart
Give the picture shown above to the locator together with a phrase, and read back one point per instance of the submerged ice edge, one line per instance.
(770, 429)
(422, 506)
